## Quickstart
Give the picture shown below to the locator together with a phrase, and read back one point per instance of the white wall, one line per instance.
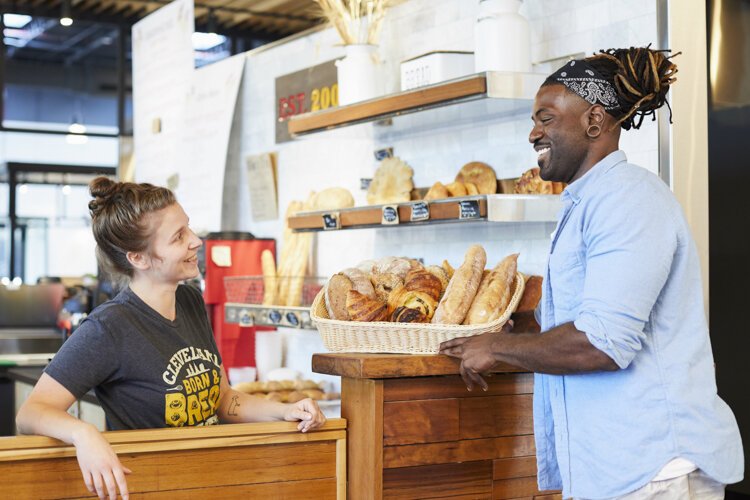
(341, 157)
(436, 152)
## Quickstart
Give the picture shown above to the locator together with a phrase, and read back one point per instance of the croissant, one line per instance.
(448, 269)
(363, 308)
(440, 274)
(421, 280)
(407, 315)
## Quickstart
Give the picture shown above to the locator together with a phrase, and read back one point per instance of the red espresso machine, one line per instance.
(231, 253)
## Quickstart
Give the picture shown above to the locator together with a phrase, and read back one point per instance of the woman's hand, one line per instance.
(307, 412)
(101, 469)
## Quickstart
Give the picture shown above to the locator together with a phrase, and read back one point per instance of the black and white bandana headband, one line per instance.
(581, 78)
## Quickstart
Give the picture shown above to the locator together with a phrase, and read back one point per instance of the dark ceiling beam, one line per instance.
(109, 16)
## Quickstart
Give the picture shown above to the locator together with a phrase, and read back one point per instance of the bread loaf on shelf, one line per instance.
(392, 183)
(268, 266)
(494, 293)
(462, 288)
(438, 191)
(481, 175)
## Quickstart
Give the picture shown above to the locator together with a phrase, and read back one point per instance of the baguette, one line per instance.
(494, 293)
(268, 265)
(462, 288)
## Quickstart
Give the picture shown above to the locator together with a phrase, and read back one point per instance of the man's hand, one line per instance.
(476, 355)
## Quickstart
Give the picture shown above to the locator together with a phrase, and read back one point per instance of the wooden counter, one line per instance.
(414, 431)
(259, 460)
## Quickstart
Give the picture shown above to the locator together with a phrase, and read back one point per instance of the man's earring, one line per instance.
(593, 135)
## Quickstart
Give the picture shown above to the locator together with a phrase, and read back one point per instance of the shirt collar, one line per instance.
(578, 189)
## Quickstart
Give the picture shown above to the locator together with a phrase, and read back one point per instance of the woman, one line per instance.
(149, 353)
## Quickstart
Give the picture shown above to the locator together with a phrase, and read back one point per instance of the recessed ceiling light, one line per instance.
(15, 20)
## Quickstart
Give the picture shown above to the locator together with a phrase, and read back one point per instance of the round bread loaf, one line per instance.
(481, 175)
(335, 295)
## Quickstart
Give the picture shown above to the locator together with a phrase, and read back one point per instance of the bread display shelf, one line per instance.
(259, 315)
(490, 208)
(514, 87)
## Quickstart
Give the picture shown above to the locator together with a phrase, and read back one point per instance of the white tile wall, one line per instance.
(339, 158)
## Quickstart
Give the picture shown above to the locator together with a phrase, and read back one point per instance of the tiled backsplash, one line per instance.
(436, 152)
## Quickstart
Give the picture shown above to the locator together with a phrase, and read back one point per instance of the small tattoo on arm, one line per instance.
(233, 406)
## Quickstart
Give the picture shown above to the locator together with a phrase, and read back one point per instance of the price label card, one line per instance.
(275, 316)
(331, 221)
(420, 211)
(292, 319)
(390, 215)
(469, 209)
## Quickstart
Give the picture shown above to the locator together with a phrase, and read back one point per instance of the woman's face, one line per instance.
(173, 252)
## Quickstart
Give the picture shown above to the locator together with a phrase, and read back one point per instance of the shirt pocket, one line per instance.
(567, 275)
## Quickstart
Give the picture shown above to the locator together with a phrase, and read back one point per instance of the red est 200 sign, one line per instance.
(309, 90)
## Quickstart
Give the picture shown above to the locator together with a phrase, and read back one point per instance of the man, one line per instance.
(625, 401)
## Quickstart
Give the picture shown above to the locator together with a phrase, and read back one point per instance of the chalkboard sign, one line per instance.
(311, 89)
(469, 209)
(331, 221)
(420, 211)
(390, 215)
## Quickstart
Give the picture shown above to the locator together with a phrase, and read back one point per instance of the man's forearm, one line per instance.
(561, 350)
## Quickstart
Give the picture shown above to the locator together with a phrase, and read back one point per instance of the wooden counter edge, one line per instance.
(201, 436)
(379, 366)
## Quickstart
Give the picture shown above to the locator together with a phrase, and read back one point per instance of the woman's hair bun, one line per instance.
(102, 189)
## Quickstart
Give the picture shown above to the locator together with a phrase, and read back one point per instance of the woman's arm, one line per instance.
(45, 413)
(235, 407)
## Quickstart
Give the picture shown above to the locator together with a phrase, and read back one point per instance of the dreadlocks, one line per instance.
(630, 83)
(641, 76)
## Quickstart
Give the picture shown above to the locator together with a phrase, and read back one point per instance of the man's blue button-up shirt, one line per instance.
(624, 268)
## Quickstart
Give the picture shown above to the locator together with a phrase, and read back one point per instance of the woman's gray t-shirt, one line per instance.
(146, 371)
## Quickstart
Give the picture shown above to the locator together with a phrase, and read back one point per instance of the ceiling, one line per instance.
(96, 23)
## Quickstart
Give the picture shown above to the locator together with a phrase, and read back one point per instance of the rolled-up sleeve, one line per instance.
(629, 254)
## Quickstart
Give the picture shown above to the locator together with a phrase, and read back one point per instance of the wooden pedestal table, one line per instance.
(414, 431)
(259, 460)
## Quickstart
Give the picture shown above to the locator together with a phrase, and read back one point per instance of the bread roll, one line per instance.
(456, 189)
(335, 295)
(437, 192)
(360, 281)
(363, 308)
(394, 265)
(332, 198)
(384, 284)
(462, 288)
(532, 294)
(494, 293)
(481, 175)
(471, 188)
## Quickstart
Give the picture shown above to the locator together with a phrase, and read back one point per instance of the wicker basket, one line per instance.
(405, 338)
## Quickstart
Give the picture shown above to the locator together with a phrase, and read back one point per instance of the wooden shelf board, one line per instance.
(474, 86)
